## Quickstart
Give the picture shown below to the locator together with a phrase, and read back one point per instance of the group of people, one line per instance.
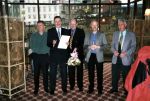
(90, 47)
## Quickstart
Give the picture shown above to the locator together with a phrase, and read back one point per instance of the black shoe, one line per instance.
(35, 93)
(100, 93)
(71, 88)
(90, 91)
(113, 91)
(80, 89)
(52, 92)
(46, 90)
(126, 93)
(64, 92)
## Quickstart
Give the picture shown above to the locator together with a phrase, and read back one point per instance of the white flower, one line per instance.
(74, 54)
(74, 60)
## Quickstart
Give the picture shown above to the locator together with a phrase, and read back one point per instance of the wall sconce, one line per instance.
(103, 20)
(147, 12)
(3, 3)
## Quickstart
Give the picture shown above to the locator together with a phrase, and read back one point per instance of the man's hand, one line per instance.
(116, 53)
(93, 47)
(123, 54)
(98, 46)
(75, 50)
(54, 42)
(67, 43)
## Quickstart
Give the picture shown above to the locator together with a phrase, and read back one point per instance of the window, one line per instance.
(49, 8)
(72, 7)
(29, 9)
(33, 9)
(55, 8)
(44, 9)
(44, 16)
(30, 1)
(29, 16)
(34, 16)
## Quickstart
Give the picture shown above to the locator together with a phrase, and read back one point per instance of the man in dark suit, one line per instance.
(123, 48)
(76, 44)
(57, 56)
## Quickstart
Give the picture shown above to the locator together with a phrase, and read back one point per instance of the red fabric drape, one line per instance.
(142, 91)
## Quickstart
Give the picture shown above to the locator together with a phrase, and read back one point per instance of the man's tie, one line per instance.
(71, 39)
(72, 32)
(120, 42)
(58, 33)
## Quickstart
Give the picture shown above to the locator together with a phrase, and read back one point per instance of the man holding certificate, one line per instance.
(58, 54)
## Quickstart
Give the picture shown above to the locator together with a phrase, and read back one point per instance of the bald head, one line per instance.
(73, 23)
(94, 25)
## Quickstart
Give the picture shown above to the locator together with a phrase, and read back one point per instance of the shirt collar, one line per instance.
(124, 32)
(94, 32)
(41, 33)
(59, 29)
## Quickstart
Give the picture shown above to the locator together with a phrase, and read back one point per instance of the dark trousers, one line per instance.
(40, 62)
(116, 70)
(79, 70)
(91, 72)
(53, 73)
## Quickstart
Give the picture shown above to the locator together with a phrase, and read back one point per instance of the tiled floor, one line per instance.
(74, 95)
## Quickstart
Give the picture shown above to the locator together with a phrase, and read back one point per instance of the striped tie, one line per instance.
(71, 39)
(120, 42)
(71, 42)
(58, 33)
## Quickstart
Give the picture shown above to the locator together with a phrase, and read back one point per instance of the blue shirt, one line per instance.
(93, 41)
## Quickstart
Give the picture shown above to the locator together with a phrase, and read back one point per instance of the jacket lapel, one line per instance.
(97, 37)
(117, 39)
(125, 41)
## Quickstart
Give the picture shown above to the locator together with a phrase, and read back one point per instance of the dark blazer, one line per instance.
(56, 54)
(78, 42)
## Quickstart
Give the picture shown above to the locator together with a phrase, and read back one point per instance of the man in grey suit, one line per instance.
(95, 42)
(123, 48)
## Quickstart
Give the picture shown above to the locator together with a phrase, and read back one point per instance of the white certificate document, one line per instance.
(63, 43)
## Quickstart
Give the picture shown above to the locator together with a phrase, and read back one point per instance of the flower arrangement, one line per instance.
(74, 60)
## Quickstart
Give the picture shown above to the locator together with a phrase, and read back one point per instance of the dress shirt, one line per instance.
(124, 33)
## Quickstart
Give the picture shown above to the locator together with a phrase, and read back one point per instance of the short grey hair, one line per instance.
(122, 20)
(74, 20)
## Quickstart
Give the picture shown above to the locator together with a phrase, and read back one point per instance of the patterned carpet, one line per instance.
(74, 95)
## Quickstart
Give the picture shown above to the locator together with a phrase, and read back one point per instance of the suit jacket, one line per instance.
(129, 47)
(78, 42)
(56, 54)
(100, 41)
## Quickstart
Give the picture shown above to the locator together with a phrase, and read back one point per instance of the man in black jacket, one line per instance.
(76, 44)
(57, 56)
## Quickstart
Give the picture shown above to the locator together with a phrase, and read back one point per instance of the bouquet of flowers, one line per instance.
(74, 60)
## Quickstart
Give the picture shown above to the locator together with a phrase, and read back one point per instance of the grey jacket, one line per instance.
(101, 41)
(129, 47)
